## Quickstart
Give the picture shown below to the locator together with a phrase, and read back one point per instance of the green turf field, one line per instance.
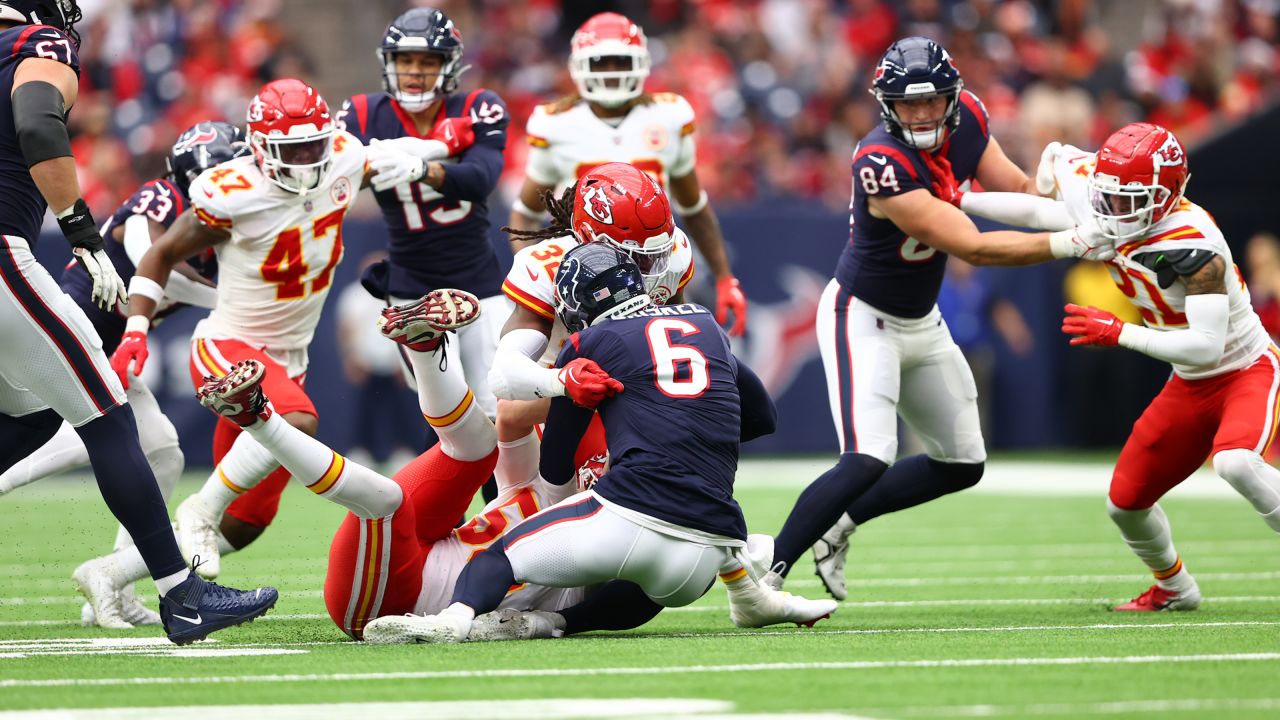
(983, 604)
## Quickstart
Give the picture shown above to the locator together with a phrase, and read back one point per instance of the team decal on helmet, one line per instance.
(200, 147)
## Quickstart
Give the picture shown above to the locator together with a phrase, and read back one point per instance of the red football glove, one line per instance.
(455, 133)
(587, 384)
(131, 351)
(1092, 326)
(945, 185)
(729, 298)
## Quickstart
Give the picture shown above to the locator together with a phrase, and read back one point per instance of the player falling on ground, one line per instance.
(275, 221)
(1174, 264)
(128, 233)
(438, 223)
(52, 368)
(661, 523)
(612, 118)
(885, 347)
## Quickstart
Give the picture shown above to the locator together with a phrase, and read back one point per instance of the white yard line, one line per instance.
(1119, 707)
(978, 630)
(654, 670)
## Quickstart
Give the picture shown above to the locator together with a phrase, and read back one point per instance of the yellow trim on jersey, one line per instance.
(373, 560)
(688, 275)
(453, 415)
(326, 481)
(734, 575)
(211, 220)
(210, 364)
(688, 128)
(538, 307)
(538, 142)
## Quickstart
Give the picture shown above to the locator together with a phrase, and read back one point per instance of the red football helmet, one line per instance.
(594, 57)
(291, 133)
(1140, 176)
(623, 206)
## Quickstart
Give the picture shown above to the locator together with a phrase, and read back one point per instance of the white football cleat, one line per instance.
(406, 629)
(829, 556)
(134, 612)
(93, 580)
(753, 605)
(510, 624)
(772, 580)
(197, 530)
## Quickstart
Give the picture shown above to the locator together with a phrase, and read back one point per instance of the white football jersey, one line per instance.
(568, 140)
(1186, 227)
(277, 268)
(531, 281)
(450, 555)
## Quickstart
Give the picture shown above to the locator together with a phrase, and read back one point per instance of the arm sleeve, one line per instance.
(1201, 343)
(475, 175)
(566, 424)
(1019, 210)
(540, 166)
(40, 121)
(759, 415)
(516, 374)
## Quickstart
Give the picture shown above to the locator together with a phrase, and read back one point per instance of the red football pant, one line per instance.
(260, 504)
(375, 566)
(1191, 420)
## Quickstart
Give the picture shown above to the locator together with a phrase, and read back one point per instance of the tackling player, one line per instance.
(129, 232)
(612, 118)
(1174, 264)
(52, 367)
(885, 347)
(662, 522)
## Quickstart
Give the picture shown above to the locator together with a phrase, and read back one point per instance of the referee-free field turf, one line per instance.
(990, 603)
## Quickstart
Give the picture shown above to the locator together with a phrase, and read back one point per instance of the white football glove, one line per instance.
(108, 288)
(392, 167)
(1045, 180)
(1083, 241)
(424, 148)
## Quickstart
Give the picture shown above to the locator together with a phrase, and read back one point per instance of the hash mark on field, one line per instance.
(667, 670)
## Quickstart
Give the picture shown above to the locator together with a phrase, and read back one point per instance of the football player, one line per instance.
(52, 368)
(274, 219)
(661, 523)
(885, 347)
(612, 118)
(438, 223)
(1174, 264)
(128, 233)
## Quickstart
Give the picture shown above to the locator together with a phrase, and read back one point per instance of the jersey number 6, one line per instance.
(679, 371)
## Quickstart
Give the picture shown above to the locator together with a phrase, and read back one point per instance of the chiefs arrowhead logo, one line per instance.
(597, 205)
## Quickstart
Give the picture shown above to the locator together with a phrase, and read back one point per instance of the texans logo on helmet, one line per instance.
(205, 136)
(597, 205)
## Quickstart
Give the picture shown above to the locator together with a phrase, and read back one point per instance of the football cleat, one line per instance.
(196, 608)
(753, 605)
(419, 325)
(237, 395)
(93, 580)
(773, 580)
(132, 609)
(196, 525)
(510, 624)
(407, 629)
(829, 556)
(1157, 598)
(759, 552)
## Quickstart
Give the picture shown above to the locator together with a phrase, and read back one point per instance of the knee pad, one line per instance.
(959, 476)
(1249, 474)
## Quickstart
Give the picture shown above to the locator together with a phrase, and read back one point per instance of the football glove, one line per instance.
(88, 248)
(729, 298)
(1092, 326)
(132, 350)
(391, 167)
(587, 384)
(455, 132)
(1083, 241)
(945, 185)
(1045, 180)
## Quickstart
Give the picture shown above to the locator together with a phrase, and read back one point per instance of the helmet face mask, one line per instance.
(609, 60)
(291, 133)
(914, 69)
(1139, 177)
(421, 30)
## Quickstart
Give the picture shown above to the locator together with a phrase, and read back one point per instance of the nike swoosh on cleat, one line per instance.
(194, 621)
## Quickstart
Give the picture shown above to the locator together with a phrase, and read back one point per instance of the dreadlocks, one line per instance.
(561, 211)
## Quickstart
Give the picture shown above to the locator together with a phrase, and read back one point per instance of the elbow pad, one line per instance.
(39, 116)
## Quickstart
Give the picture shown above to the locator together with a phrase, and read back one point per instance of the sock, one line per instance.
(518, 463)
(913, 481)
(1254, 479)
(64, 451)
(24, 435)
(615, 605)
(821, 504)
(129, 488)
(1148, 534)
(325, 472)
(245, 465)
(131, 567)
(485, 580)
(450, 407)
(171, 581)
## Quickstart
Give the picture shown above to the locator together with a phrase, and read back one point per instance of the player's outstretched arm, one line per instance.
(185, 285)
(1018, 209)
(516, 374)
(704, 229)
(759, 415)
(566, 424)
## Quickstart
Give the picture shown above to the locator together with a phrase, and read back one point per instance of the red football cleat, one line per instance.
(420, 325)
(237, 395)
(1157, 598)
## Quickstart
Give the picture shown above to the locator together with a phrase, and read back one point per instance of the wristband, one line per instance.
(694, 208)
(78, 227)
(147, 288)
(138, 324)
(527, 211)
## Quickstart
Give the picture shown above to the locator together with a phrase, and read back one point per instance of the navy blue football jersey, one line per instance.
(674, 431)
(881, 265)
(159, 200)
(439, 238)
(22, 208)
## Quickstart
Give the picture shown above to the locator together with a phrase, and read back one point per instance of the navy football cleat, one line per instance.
(196, 608)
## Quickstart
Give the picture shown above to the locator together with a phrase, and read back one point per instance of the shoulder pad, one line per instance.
(884, 170)
(46, 41)
(1169, 265)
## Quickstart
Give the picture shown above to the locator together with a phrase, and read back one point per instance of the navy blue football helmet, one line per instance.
(422, 30)
(597, 280)
(200, 147)
(62, 14)
(914, 68)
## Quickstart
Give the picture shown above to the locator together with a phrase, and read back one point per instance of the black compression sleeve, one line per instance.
(40, 119)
